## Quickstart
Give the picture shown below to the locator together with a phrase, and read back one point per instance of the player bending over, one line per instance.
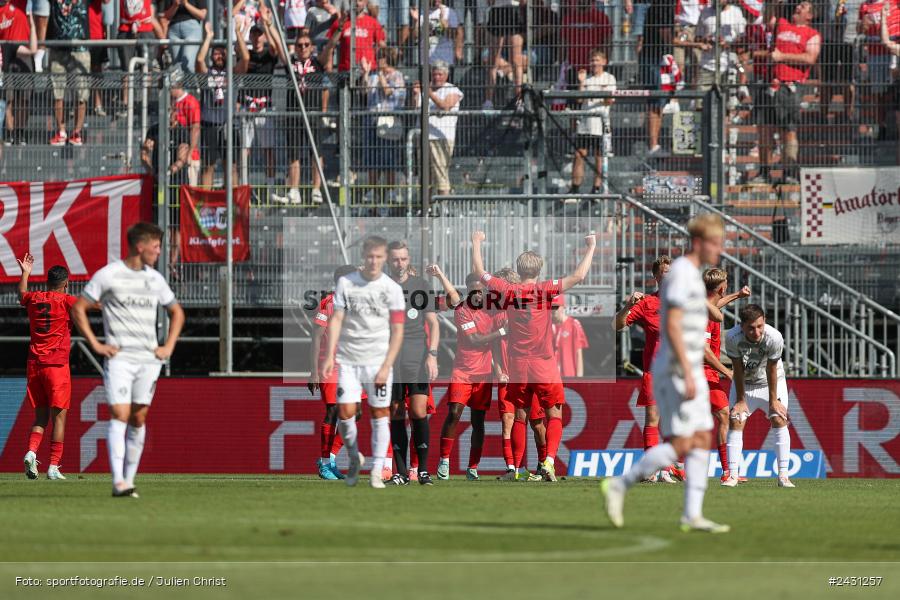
(364, 336)
(678, 384)
(49, 387)
(129, 292)
(534, 372)
(331, 442)
(470, 380)
(716, 281)
(755, 349)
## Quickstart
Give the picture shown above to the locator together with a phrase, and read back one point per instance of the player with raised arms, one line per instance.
(49, 382)
(679, 385)
(129, 292)
(755, 350)
(365, 333)
(534, 371)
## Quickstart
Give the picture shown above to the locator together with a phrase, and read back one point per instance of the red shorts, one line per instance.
(430, 409)
(505, 405)
(718, 393)
(645, 398)
(49, 385)
(329, 392)
(476, 396)
(548, 395)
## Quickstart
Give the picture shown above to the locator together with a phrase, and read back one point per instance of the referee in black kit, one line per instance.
(415, 368)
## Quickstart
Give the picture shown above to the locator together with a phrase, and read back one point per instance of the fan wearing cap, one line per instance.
(569, 340)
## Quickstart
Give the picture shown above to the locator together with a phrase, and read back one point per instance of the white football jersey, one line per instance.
(367, 305)
(683, 288)
(755, 356)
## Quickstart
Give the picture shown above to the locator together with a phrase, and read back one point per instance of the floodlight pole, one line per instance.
(229, 192)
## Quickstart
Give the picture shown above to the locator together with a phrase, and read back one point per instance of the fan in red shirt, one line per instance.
(534, 373)
(49, 387)
(569, 340)
(584, 29)
(470, 380)
(718, 375)
(369, 37)
(330, 439)
(643, 309)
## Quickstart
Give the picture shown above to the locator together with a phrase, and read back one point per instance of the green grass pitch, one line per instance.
(298, 537)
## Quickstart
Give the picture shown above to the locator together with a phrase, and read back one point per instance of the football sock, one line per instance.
(651, 436)
(783, 449)
(735, 451)
(474, 456)
(723, 456)
(542, 453)
(56, 450)
(654, 459)
(337, 442)
(399, 443)
(34, 441)
(347, 427)
(554, 436)
(518, 442)
(446, 447)
(134, 447)
(381, 437)
(420, 436)
(326, 438)
(413, 457)
(115, 443)
(508, 453)
(696, 467)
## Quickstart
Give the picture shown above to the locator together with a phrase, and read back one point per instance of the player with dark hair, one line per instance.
(416, 366)
(755, 350)
(470, 380)
(49, 387)
(534, 373)
(130, 292)
(331, 441)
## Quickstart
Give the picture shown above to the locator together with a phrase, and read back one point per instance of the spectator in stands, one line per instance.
(593, 134)
(256, 98)
(319, 19)
(569, 340)
(313, 83)
(795, 50)
(99, 54)
(15, 25)
(446, 40)
(506, 25)
(182, 21)
(40, 10)
(386, 91)
(732, 23)
(839, 35)
(585, 28)
(213, 96)
(876, 70)
(443, 97)
(892, 47)
(184, 136)
(246, 14)
(69, 22)
(654, 42)
(137, 21)
(369, 36)
(687, 16)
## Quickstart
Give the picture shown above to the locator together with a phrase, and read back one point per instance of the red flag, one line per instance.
(203, 223)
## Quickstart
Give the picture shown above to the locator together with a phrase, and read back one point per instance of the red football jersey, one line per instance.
(792, 39)
(48, 316)
(326, 309)
(569, 338)
(646, 314)
(473, 361)
(500, 320)
(528, 309)
(714, 339)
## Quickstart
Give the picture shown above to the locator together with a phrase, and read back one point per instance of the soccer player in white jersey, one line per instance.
(129, 292)
(679, 384)
(755, 350)
(365, 334)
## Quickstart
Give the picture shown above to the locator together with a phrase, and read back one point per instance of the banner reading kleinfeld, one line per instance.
(850, 206)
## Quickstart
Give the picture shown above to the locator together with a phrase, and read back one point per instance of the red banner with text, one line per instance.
(266, 426)
(204, 224)
(78, 224)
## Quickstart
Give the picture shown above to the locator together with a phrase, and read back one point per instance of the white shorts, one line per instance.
(757, 397)
(678, 418)
(128, 382)
(353, 379)
(259, 131)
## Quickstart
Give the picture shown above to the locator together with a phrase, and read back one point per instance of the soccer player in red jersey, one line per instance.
(716, 281)
(49, 387)
(470, 380)
(569, 340)
(533, 368)
(331, 441)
